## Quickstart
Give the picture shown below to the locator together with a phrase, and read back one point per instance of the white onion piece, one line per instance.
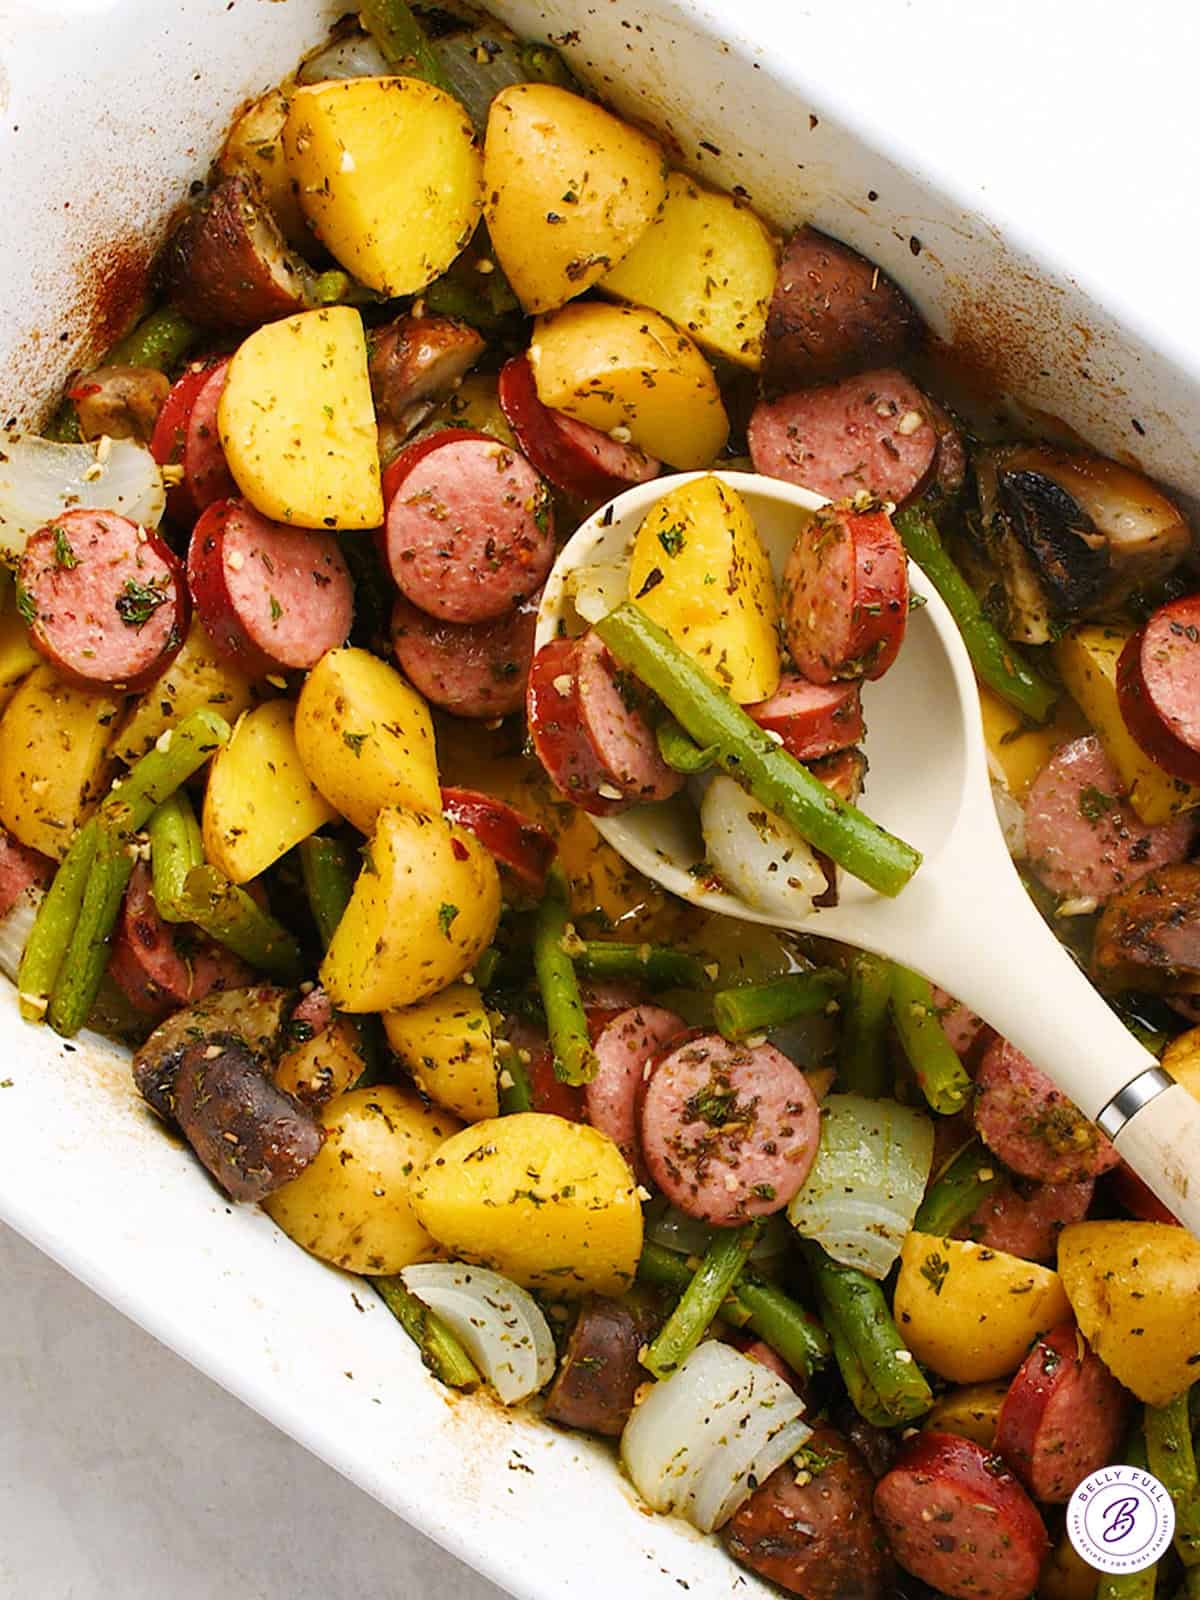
(1010, 814)
(598, 589)
(355, 56)
(39, 480)
(501, 1326)
(756, 855)
(675, 1230)
(768, 1440)
(695, 1419)
(16, 928)
(862, 1194)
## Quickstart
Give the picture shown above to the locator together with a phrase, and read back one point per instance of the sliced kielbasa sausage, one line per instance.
(870, 434)
(1081, 838)
(960, 1522)
(812, 719)
(845, 595)
(1031, 1125)
(559, 740)
(473, 669)
(270, 597)
(575, 457)
(418, 359)
(469, 528)
(832, 312)
(624, 1049)
(251, 1136)
(728, 1131)
(599, 1374)
(1063, 1416)
(161, 966)
(513, 839)
(960, 1025)
(811, 1527)
(845, 773)
(1158, 687)
(105, 600)
(169, 439)
(612, 708)
(1025, 1219)
(206, 474)
(1148, 936)
(22, 870)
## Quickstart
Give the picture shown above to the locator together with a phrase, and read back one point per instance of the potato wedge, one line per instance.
(255, 147)
(1135, 1290)
(1087, 658)
(616, 367)
(389, 174)
(352, 1204)
(549, 1203)
(970, 1412)
(700, 570)
(971, 1314)
(198, 679)
(446, 1043)
(1016, 751)
(474, 404)
(54, 759)
(708, 263)
(570, 190)
(424, 908)
(297, 422)
(365, 738)
(259, 801)
(18, 658)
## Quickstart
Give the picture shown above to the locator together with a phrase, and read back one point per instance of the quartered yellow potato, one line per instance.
(446, 1044)
(570, 189)
(54, 759)
(18, 658)
(700, 570)
(297, 422)
(389, 174)
(1018, 752)
(616, 367)
(971, 1412)
(197, 680)
(709, 264)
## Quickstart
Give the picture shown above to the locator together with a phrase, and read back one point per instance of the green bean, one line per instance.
(574, 1059)
(450, 298)
(755, 1007)
(175, 848)
(957, 1191)
(702, 1299)
(440, 1348)
(1172, 1460)
(858, 1386)
(402, 40)
(160, 340)
(995, 660)
(63, 426)
(784, 1324)
(545, 65)
(659, 965)
(180, 752)
(862, 1060)
(328, 869)
(773, 777)
(1131, 1585)
(667, 1269)
(517, 1094)
(853, 1304)
(485, 969)
(46, 947)
(87, 954)
(338, 288)
(233, 918)
(941, 1075)
(680, 752)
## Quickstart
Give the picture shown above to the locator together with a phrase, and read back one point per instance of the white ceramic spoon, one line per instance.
(965, 919)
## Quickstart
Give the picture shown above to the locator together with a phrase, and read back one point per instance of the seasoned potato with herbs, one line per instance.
(570, 190)
(255, 147)
(315, 1070)
(1135, 1290)
(709, 264)
(549, 1203)
(445, 1042)
(259, 801)
(1017, 751)
(54, 759)
(352, 1204)
(969, 1313)
(365, 738)
(197, 680)
(424, 909)
(17, 655)
(699, 569)
(389, 175)
(297, 422)
(616, 367)
(970, 1412)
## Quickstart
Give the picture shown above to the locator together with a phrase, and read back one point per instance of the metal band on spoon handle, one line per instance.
(1138, 1092)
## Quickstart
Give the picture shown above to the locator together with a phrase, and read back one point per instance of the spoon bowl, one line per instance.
(965, 920)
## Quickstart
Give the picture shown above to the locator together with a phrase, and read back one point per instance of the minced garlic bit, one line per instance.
(104, 448)
(620, 434)
(986, 1174)
(904, 1356)
(235, 561)
(163, 743)
(171, 475)
(607, 791)
(276, 680)
(909, 423)
(94, 473)
(774, 735)
(563, 684)
(506, 1079)
(467, 978)
(485, 265)
(712, 971)
(642, 1193)
(1081, 906)
(753, 1040)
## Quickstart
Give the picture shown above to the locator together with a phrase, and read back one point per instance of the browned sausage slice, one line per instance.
(1158, 686)
(559, 740)
(159, 966)
(474, 669)
(206, 474)
(624, 1049)
(1082, 840)
(514, 840)
(611, 710)
(599, 1374)
(870, 434)
(418, 359)
(845, 595)
(832, 312)
(105, 600)
(1031, 1125)
(469, 528)
(960, 1522)
(1025, 1219)
(22, 870)
(811, 1527)
(812, 719)
(1148, 936)
(1063, 1416)
(960, 1025)
(728, 1131)
(270, 597)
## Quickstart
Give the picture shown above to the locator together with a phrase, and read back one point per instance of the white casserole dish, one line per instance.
(110, 107)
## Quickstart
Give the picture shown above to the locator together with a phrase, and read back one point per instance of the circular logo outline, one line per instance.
(1120, 1519)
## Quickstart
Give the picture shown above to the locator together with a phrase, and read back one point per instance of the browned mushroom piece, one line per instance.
(122, 402)
(416, 361)
(600, 1374)
(255, 1015)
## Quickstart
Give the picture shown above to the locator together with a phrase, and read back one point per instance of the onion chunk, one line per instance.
(501, 1325)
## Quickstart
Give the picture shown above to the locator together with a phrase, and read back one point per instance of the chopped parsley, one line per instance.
(1093, 803)
(137, 602)
(672, 539)
(934, 1269)
(64, 554)
(26, 605)
(446, 915)
(715, 1104)
(354, 741)
(276, 609)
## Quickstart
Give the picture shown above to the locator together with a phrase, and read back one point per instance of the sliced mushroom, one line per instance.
(256, 1016)
(1064, 546)
(227, 265)
(254, 148)
(122, 402)
(417, 361)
